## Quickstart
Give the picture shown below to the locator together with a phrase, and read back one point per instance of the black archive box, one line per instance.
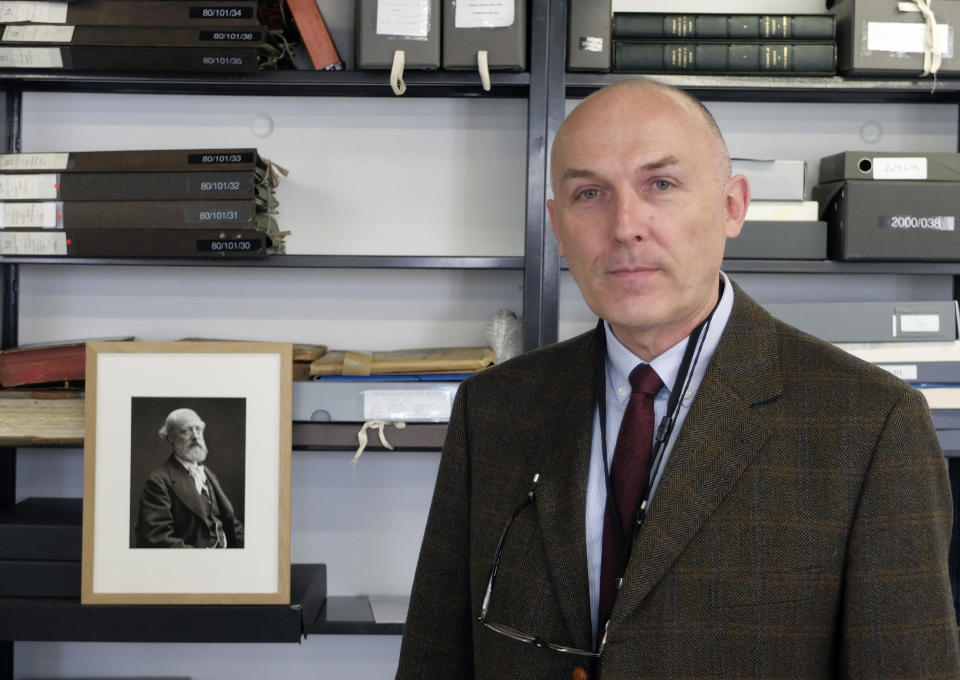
(42, 529)
(890, 220)
(878, 38)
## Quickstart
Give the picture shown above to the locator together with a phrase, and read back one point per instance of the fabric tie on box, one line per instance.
(932, 49)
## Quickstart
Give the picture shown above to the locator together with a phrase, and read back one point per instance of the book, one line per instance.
(315, 36)
(429, 360)
(214, 59)
(141, 242)
(133, 13)
(783, 211)
(643, 25)
(42, 363)
(724, 57)
(135, 186)
(157, 36)
(240, 214)
(42, 417)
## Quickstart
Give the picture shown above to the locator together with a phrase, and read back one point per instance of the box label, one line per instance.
(37, 12)
(902, 371)
(919, 323)
(34, 161)
(884, 36)
(28, 186)
(30, 57)
(29, 215)
(932, 223)
(407, 18)
(407, 404)
(484, 13)
(43, 33)
(591, 44)
(33, 243)
(887, 167)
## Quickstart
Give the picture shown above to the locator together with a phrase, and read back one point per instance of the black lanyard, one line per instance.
(624, 543)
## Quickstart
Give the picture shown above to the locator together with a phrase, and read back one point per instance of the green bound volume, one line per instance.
(721, 57)
(646, 25)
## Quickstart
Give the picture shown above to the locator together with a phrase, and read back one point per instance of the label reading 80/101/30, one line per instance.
(226, 245)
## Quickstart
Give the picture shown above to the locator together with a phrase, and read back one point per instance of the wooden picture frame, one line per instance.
(146, 402)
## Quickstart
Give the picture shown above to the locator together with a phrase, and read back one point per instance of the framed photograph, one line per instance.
(186, 473)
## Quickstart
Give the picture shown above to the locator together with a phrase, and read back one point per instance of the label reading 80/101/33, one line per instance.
(215, 158)
(227, 245)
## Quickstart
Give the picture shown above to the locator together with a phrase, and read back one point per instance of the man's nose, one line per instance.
(629, 218)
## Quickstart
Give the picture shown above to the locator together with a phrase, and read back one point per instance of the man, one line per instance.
(182, 504)
(794, 520)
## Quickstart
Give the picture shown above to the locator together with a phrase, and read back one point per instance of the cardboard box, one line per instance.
(871, 321)
(876, 38)
(892, 220)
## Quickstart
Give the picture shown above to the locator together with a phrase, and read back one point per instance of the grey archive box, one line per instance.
(779, 240)
(890, 220)
(381, 28)
(877, 37)
(468, 29)
(891, 165)
(588, 35)
(871, 321)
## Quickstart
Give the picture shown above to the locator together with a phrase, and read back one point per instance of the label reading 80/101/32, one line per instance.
(224, 185)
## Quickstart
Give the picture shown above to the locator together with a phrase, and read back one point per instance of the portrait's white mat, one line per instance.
(261, 374)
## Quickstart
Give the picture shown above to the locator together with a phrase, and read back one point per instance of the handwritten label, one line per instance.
(902, 371)
(33, 243)
(889, 167)
(885, 36)
(42, 33)
(408, 18)
(30, 57)
(29, 215)
(35, 12)
(485, 13)
(28, 186)
(34, 161)
(919, 323)
(407, 404)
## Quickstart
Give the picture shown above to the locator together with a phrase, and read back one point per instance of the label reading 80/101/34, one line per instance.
(221, 12)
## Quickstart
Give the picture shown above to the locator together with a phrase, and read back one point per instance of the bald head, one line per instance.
(612, 105)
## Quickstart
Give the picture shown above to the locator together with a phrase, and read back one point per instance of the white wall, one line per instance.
(384, 176)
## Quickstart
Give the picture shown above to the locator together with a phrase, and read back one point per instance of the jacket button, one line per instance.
(579, 673)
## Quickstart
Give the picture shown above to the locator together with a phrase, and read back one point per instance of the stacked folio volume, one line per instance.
(169, 203)
(758, 44)
(137, 35)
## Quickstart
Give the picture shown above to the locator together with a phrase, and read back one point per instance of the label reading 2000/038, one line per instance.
(226, 245)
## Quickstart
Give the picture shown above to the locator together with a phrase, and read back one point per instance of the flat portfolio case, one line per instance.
(891, 165)
(877, 37)
(890, 220)
(498, 27)
(231, 13)
(136, 242)
(381, 28)
(871, 321)
(152, 160)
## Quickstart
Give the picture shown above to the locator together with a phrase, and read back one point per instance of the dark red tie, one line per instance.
(628, 474)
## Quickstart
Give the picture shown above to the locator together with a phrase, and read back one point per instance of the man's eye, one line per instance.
(588, 194)
(662, 184)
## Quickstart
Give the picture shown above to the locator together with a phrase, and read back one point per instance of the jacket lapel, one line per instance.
(184, 487)
(561, 492)
(720, 437)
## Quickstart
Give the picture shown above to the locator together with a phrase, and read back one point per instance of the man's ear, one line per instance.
(552, 211)
(736, 200)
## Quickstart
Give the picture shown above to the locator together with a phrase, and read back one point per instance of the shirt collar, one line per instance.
(621, 361)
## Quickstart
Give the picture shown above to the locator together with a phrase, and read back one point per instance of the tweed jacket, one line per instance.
(800, 528)
(173, 515)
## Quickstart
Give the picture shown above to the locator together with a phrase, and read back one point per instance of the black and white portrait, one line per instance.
(187, 472)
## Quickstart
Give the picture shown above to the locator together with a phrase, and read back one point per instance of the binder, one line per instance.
(382, 27)
(138, 242)
(871, 321)
(588, 35)
(497, 27)
(891, 165)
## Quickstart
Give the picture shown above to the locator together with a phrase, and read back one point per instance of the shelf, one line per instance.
(66, 619)
(829, 89)
(349, 616)
(290, 261)
(274, 83)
